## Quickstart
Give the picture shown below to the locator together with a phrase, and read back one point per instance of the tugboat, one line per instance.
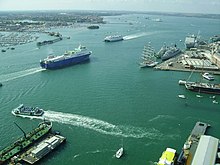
(23, 111)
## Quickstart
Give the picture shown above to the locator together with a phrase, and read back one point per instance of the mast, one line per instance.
(21, 129)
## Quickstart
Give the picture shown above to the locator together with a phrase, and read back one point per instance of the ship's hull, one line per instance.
(202, 89)
(168, 56)
(49, 42)
(65, 62)
(29, 139)
(189, 45)
(113, 40)
(27, 114)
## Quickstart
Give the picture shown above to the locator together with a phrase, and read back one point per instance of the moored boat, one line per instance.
(171, 52)
(49, 41)
(208, 76)
(182, 96)
(93, 27)
(168, 157)
(113, 38)
(148, 56)
(203, 87)
(190, 41)
(78, 55)
(119, 153)
(162, 51)
(23, 142)
(23, 110)
(38, 151)
(215, 38)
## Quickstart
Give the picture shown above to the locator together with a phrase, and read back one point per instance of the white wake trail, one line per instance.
(102, 126)
(23, 73)
(137, 35)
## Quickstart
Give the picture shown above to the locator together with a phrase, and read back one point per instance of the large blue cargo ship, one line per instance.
(78, 55)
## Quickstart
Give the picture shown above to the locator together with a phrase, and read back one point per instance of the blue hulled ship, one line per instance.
(78, 55)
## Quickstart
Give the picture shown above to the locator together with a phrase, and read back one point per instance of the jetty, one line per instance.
(41, 149)
(201, 59)
(190, 146)
(32, 146)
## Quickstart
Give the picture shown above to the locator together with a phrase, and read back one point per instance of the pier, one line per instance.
(190, 146)
(204, 59)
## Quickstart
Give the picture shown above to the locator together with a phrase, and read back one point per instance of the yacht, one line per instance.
(119, 153)
(208, 76)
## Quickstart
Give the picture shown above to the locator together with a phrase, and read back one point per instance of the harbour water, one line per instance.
(99, 104)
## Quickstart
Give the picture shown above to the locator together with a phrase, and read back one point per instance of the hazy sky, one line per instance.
(189, 6)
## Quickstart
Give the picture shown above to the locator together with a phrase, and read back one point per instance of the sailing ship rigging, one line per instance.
(148, 57)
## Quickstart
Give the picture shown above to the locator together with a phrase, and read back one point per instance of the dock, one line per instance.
(197, 60)
(190, 146)
(38, 151)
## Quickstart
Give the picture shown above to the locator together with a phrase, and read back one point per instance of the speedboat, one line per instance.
(208, 76)
(119, 153)
(182, 96)
(215, 102)
(22, 111)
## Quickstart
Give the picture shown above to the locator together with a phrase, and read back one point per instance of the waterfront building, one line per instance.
(216, 54)
(207, 152)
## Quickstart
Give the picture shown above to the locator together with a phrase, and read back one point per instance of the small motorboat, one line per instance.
(199, 96)
(215, 102)
(0, 84)
(182, 96)
(119, 153)
(208, 76)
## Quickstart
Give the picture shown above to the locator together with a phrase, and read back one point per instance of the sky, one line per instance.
(182, 6)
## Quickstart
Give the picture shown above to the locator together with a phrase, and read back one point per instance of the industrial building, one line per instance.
(207, 152)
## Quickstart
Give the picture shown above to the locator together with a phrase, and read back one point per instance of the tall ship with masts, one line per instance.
(201, 87)
(148, 57)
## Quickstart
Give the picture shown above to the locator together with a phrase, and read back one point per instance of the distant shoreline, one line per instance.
(112, 13)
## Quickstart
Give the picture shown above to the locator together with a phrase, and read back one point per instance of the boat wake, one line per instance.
(23, 73)
(102, 127)
(137, 35)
